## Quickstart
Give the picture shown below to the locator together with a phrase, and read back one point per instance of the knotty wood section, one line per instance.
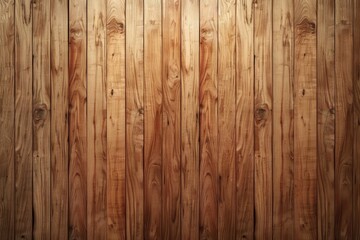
(41, 119)
(96, 120)
(23, 120)
(344, 130)
(134, 119)
(305, 120)
(115, 65)
(283, 120)
(190, 44)
(208, 94)
(171, 120)
(326, 119)
(153, 119)
(244, 119)
(7, 111)
(263, 118)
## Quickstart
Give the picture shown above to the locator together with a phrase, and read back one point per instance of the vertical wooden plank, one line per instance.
(115, 65)
(96, 125)
(344, 118)
(134, 119)
(171, 120)
(305, 120)
(226, 126)
(244, 119)
(208, 120)
(283, 108)
(190, 119)
(7, 119)
(23, 119)
(326, 118)
(41, 119)
(263, 118)
(152, 119)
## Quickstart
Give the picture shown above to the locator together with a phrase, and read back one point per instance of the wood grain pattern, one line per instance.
(305, 120)
(171, 120)
(263, 118)
(134, 119)
(208, 94)
(152, 119)
(96, 125)
(190, 44)
(344, 118)
(283, 120)
(7, 116)
(326, 119)
(115, 65)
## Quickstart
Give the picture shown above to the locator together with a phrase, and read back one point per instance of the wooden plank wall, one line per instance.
(180, 119)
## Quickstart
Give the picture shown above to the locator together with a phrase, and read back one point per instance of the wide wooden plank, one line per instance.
(344, 118)
(96, 120)
(152, 119)
(190, 119)
(134, 120)
(41, 119)
(77, 120)
(263, 118)
(7, 112)
(115, 65)
(23, 120)
(283, 109)
(305, 155)
(226, 124)
(171, 120)
(326, 118)
(208, 94)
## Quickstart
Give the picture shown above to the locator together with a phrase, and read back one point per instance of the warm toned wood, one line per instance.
(23, 120)
(190, 119)
(305, 120)
(134, 120)
(77, 120)
(326, 119)
(263, 118)
(171, 120)
(344, 130)
(208, 93)
(226, 124)
(115, 65)
(7, 112)
(96, 120)
(41, 119)
(283, 109)
(152, 119)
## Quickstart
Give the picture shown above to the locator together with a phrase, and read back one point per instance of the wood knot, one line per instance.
(141, 111)
(261, 114)
(39, 114)
(306, 27)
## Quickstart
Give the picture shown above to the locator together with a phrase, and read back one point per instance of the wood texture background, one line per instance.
(180, 119)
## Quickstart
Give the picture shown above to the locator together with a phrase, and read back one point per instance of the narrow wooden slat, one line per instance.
(305, 120)
(283, 108)
(77, 120)
(96, 120)
(7, 112)
(152, 119)
(344, 118)
(134, 120)
(171, 120)
(115, 65)
(244, 119)
(263, 118)
(23, 119)
(41, 119)
(208, 120)
(190, 119)
(326, 119)
(226, 124)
